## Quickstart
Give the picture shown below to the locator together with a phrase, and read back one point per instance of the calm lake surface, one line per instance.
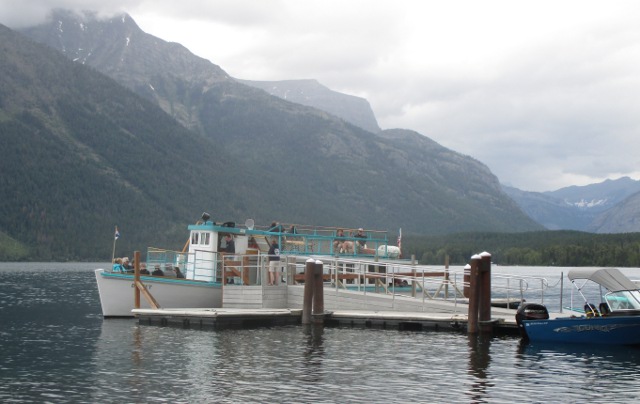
(55, 347)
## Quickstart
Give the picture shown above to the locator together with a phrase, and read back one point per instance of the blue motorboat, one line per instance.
(615, 321)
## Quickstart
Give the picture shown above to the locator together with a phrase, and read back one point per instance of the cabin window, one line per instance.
(203, 238)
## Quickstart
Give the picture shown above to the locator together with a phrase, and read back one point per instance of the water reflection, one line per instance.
(55, 347)
(479, 359)
(314, 352)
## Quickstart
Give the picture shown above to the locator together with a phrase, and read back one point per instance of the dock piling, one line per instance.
(136, 279)
(472, 325)
(308, 291)
(318, 293)
(484, 286)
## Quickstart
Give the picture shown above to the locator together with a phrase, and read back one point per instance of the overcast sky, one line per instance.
(545, 93)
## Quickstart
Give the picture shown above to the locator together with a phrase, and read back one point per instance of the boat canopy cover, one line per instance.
(610, 278)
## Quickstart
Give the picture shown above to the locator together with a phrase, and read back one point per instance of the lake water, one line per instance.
(55, 347)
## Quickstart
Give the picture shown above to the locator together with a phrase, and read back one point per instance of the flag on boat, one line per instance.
(400, 239)
(117, 234)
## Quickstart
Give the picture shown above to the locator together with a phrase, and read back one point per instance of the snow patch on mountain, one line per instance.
(584, 204)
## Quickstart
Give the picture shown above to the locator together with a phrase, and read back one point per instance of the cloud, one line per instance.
(32, 12)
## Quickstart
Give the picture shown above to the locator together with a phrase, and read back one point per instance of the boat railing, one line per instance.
(516, 287)
(198, 265)
(320, 241)
(397, 278)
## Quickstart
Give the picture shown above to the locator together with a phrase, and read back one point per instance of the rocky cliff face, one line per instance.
(352, 109)
(622, 218)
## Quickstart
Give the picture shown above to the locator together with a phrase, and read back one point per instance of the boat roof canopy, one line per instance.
(610, 278)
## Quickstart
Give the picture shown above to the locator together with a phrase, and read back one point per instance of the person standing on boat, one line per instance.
(274, 261)
(231, 245)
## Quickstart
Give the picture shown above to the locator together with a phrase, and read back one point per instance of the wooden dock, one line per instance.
(216, 319)
(247, 306)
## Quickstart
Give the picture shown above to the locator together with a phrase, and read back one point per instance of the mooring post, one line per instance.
(308, 291)
(376, 269)
(466, 281)
(484, 281)
(414, 282)
(136, 279)
(318, 293)
(446, 276)
(472, 325)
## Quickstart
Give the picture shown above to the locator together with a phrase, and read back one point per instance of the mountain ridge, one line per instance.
(605, 207)
(310, 92)
(116, 156)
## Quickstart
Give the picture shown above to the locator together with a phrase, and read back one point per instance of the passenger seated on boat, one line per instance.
(338, 242)
(117, 265)
(126, 264)
(591, 310)
(143, 269)
(276, 227)
(178, 272)
(157, 271)
(604, 309)
(349, 246)
(400, 282)
(362, 242)
(169, 270)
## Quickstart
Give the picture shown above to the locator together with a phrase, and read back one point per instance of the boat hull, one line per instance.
(117, 293)
(614, 330)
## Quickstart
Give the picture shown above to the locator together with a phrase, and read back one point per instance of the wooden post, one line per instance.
(376, 270)
(139, 287)
(472, 325)
(466, 281)
(136, 279)
(484, 286)
(446, 276)
(308, 291)
(318, 293)
(413, 273)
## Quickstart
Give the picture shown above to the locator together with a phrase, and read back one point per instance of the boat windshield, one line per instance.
(624, 300)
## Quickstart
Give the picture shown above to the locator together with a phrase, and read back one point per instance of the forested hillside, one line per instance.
(82, 154)
(545, 248)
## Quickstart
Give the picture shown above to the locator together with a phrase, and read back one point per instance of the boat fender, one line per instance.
(530, 311)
